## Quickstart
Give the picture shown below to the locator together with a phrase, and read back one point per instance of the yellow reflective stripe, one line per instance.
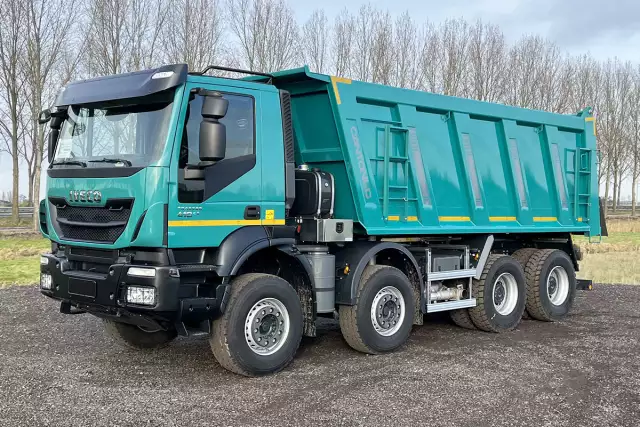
(334, 82)
(454, 218)
(502, 218)
(393, 218)
(412, 218)
(592, 119)
(580, 219)
(544, 218)
(223, 222)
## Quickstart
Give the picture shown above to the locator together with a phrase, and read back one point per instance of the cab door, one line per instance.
(202, 212)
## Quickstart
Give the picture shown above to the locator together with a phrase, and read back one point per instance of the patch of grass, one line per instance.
(21, 271)
(20, 258)
(612, 267)
(623, 224)
(20, 246)
(615, 242)
(22, 222)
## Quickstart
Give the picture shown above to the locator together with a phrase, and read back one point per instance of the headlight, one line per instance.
(44, 260)
(141, 295)
(141, 272)
(45, 281)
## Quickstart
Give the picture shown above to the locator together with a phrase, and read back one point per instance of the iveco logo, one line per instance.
(85, 196)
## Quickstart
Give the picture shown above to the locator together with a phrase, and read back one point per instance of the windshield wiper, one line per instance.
(105, 160)
(70, 162)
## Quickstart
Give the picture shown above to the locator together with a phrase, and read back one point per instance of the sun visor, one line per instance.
(123, 86)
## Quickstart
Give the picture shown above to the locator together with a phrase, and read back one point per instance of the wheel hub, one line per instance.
(267, 326)
(499, 293)
(558, 285)
(505, 294)
(387, 311)
(552, 287)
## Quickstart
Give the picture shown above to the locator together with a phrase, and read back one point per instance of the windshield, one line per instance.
(113, 136)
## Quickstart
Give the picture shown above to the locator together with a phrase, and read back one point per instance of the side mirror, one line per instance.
(213, 134)
(56, 119)
(53, 139)
(44, 117)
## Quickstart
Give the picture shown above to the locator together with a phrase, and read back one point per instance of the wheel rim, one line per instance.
(505, 294)
(558, 285)
(267, 326)
(387, 311)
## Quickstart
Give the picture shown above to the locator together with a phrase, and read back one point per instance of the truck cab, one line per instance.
(180, 203)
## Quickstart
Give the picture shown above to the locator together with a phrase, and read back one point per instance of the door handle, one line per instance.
(252, 212)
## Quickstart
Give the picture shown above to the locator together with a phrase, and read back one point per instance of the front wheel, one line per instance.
(135, 337)
(260, 331)
(381, 319)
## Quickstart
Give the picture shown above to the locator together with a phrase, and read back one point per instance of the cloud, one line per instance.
(578, 22)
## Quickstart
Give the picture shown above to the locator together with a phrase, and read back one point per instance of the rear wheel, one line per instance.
(260, 331)
(381, 319)
(136, 337)
(500, 295)
(461, 318)
(522, 256)
(551, 285)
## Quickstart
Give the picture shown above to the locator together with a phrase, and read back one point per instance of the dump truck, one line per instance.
(184, 203)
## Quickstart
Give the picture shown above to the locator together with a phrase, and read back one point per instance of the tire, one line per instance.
(378, 283)
(132, 336)
(522, 256)
(544, 267)
(461, 318)
(499, 311)
(275, 306)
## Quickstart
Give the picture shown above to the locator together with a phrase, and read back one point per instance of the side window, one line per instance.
(240, 128)
(239, 123)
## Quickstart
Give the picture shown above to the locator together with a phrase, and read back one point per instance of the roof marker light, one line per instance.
(162, 75)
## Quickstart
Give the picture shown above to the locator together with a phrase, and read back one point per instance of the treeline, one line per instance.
(46, 44)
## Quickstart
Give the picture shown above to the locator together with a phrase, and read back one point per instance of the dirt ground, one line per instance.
(57, 369)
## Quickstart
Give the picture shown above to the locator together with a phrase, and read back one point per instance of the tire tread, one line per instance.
(349, 318)
(218, 342)
(532, 274)
(462, 318)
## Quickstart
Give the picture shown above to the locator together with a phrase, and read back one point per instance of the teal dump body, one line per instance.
(415, 163)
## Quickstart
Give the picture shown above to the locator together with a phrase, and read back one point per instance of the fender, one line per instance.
(357, 256)
(238, 246)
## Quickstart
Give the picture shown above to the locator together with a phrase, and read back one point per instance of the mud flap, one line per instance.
(584, 285)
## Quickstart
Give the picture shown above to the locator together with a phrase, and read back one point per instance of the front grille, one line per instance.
(102, 224)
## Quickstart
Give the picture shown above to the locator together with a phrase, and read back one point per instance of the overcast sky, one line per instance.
(602, 28)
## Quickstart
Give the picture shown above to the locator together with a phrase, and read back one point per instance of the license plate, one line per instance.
(85, 288)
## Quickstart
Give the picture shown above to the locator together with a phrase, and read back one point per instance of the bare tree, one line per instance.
(430, 58)
(267, 33)
(487, 62)
(406, 45)
(634, 127)
(194, 33)
(343, 33)
(50, 23)
(145, 21)
(365, 23)
(454, 61)
(316, 41)
(107, 42)
(383, 50)
(12, 50)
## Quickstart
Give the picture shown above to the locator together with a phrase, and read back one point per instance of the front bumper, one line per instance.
(104, 294)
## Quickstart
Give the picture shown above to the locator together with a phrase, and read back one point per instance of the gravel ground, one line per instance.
(62, 370)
